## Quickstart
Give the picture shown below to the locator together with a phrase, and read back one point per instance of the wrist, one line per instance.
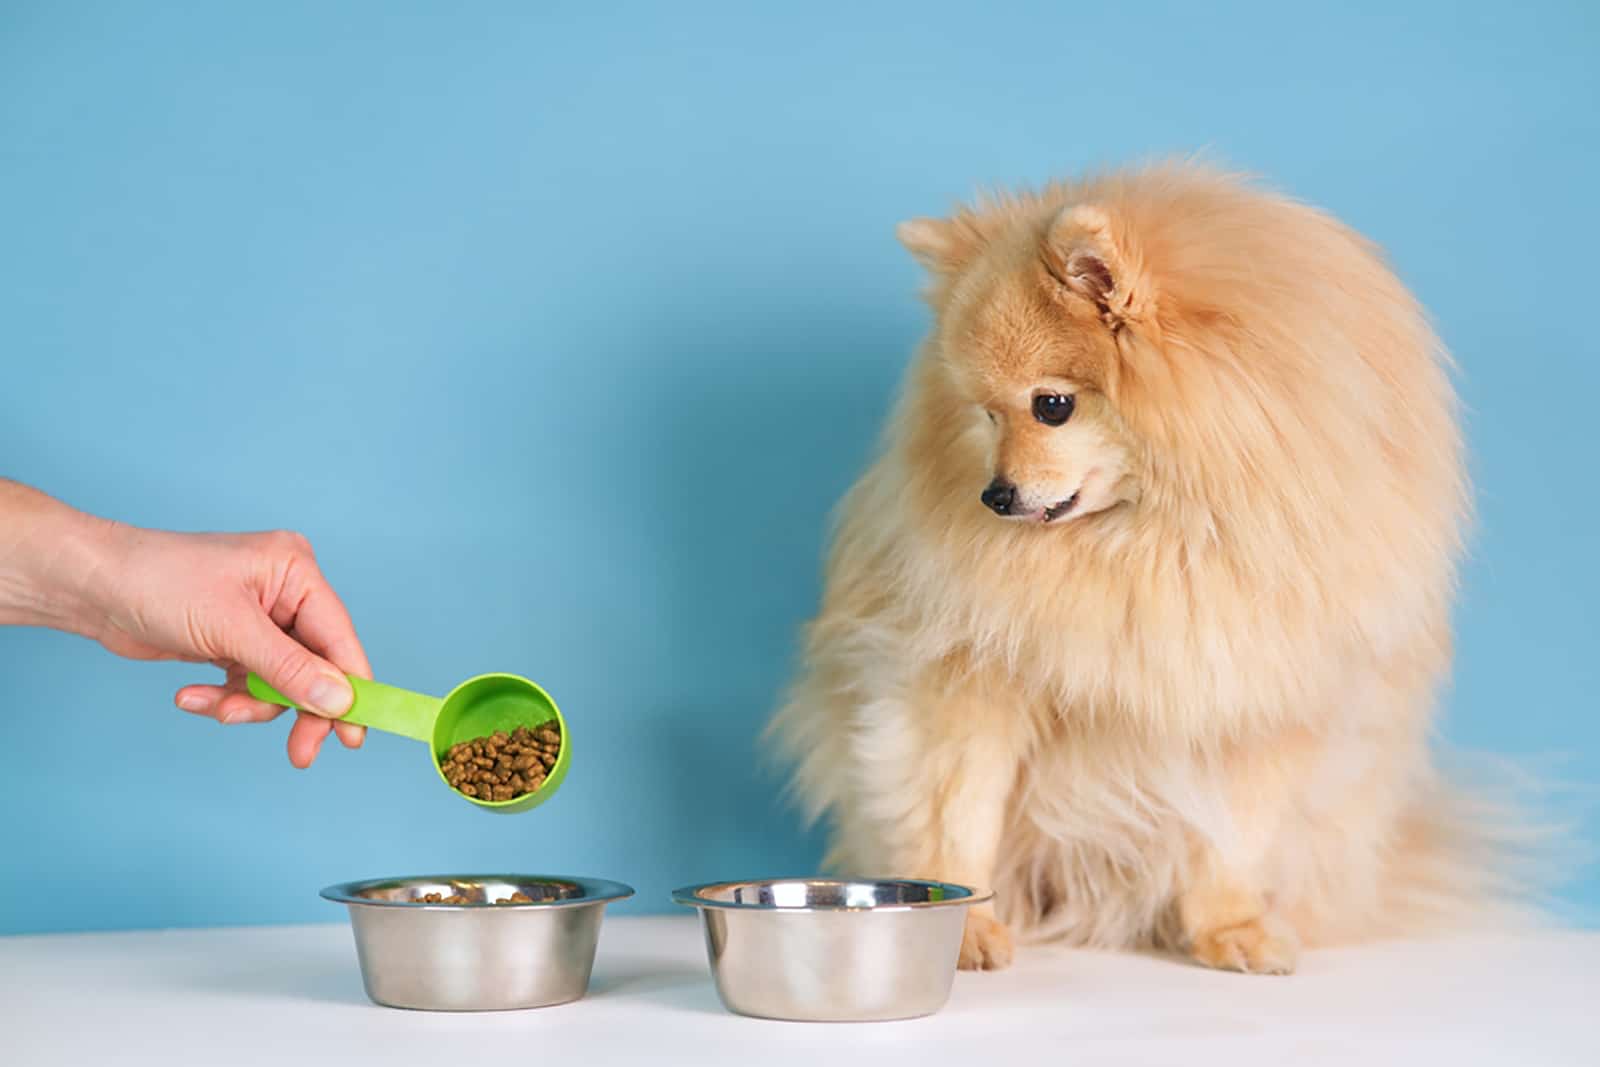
(53, 559)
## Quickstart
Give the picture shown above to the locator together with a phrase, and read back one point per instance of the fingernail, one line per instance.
(227, 718)
(192, 702)
(331, 696)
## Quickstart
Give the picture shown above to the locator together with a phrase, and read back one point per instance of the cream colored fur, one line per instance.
(1195, 710)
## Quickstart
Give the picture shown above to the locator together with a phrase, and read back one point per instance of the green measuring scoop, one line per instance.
(475, 708)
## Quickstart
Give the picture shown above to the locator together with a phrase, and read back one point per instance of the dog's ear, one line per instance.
(1091, 255)
(944, 246)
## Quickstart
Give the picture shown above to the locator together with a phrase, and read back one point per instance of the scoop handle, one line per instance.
(377, 706)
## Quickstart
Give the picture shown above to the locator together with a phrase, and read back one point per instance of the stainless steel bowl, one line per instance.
(479, 956)
(832, 950)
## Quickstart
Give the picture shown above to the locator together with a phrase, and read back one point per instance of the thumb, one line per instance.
(311, 682)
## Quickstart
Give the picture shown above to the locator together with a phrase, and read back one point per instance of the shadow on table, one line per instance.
(338, 982)
(680, 988)
(327, 978)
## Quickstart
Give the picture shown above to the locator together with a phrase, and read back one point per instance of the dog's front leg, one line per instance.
(973, 821)
(1225, 914)
(973, 733)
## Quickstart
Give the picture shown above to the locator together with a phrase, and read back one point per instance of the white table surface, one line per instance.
(275, 994)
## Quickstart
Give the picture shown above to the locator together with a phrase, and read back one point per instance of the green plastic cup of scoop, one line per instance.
(475, 708)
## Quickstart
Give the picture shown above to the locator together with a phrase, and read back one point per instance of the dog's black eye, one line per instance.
(991, 416)
(1053, 409)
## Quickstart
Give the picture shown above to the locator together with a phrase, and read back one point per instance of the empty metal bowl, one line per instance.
(477, 956)
(832, 950)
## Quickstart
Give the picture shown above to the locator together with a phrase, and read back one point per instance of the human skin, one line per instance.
(242, 602)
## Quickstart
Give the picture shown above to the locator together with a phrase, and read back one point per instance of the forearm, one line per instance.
(200, 597)
(50, 557)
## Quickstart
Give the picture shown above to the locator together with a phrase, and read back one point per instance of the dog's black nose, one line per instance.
(999, 497)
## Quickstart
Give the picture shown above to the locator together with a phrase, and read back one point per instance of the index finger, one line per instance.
(322, 623)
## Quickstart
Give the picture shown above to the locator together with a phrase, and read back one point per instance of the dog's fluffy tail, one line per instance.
(1475, 852)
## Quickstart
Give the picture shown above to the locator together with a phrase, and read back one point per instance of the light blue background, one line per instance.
(559, 328)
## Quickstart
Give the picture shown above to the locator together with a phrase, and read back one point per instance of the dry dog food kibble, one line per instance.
(503, 766)
(518, 897)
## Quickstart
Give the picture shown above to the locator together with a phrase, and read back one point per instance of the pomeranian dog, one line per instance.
(1140, 616)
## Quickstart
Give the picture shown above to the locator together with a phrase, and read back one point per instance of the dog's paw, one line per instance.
(985, 944)
(1266, 945)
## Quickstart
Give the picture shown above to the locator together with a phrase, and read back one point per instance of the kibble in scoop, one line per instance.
(503, 766)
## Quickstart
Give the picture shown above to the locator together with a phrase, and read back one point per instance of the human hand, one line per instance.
(242, 602)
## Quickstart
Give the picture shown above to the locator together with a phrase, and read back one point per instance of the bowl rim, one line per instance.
(594, 891)
(957, 895)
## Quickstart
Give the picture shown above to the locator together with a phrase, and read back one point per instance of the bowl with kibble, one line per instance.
(476, 942)
(497, 740)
